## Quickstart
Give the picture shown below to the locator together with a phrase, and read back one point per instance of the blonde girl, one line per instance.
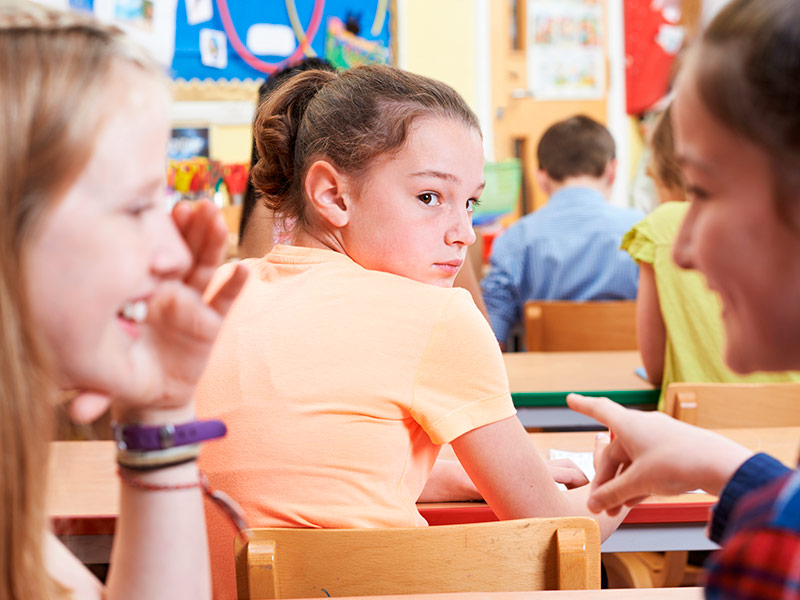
(100, 296)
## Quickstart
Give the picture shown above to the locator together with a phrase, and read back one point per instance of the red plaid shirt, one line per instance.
(757, 522)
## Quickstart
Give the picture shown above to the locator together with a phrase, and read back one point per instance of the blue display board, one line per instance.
(266, 26)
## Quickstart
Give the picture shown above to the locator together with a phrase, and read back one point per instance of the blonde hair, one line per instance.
(54, 76)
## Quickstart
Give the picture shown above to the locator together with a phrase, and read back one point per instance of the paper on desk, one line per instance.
(585, 462)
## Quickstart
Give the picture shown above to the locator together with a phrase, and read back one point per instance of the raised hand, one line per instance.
(180, 327)
(651, 453)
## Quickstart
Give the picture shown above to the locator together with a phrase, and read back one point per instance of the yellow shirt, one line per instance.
(691, 312)
(338, 384)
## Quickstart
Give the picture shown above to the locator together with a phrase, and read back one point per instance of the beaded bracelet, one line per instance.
(157, 459)
(228, 505)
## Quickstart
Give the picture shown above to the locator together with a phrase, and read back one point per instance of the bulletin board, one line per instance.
(225, 40)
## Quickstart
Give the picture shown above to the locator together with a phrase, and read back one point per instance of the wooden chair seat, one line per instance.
(519, 555)
(720, 405)
(554, 326)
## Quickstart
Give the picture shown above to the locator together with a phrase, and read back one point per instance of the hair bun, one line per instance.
(278, 125)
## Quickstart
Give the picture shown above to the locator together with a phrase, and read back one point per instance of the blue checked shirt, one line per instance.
(566, 250)
(757, 522)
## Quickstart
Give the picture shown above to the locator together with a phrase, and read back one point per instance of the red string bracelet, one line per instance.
(228, 505)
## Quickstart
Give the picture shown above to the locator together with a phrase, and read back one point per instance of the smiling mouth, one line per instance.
(135, 312)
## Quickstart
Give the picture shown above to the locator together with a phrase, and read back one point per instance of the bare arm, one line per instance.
(650, 331)
(160, 542)
(448, 482)
(507, 469)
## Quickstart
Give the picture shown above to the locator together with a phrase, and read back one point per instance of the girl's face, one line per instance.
(413, 214)
(735, 236)
(107, 244)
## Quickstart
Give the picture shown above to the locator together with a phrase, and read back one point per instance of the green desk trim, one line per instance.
(558, 399)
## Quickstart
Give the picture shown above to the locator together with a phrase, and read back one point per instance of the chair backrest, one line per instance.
(524, 554)
(552, 326)
(720, 405)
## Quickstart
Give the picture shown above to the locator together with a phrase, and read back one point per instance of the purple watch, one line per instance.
(143, 438)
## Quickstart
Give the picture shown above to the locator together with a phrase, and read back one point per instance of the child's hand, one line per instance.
(180, 327)
(652, 453)
(567, 472)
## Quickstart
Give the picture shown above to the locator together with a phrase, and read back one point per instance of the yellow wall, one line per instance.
(440, 43)
(230, 143)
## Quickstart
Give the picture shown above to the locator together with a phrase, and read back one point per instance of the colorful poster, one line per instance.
(566, 57)
(135, 13)
(150, 23)
(345, 49)
(259, 37)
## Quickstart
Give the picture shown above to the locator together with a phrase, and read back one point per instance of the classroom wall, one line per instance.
(423, 45)
(440, 42)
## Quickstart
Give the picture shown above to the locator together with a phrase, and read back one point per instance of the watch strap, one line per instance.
(137, 437)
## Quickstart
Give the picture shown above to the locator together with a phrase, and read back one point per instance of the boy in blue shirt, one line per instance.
(569, 248)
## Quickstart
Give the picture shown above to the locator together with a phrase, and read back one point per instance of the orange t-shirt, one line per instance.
(338, 385)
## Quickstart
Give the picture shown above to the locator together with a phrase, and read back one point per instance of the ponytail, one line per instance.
(277, 122)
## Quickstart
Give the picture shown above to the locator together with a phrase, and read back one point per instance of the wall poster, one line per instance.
(566, 49)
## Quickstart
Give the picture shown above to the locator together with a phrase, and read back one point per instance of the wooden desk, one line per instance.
(83, 496)
(540, 382)
(684, 593)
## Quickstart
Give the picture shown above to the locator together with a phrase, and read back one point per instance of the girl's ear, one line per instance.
(325, 188)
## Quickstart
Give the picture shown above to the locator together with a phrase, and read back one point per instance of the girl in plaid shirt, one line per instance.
(737, 125)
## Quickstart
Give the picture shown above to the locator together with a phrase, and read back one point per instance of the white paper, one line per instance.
(585, 462)
(271, 40)
(213, 48)
(198, 11)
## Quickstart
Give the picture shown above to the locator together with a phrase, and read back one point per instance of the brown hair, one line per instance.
(662, 146)
(573, 147)
(349, 118)
(53, 80)
(747, 71)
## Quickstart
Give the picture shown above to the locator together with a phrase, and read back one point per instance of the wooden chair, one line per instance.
(720, 405)
(524, 554)
(552, 326)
